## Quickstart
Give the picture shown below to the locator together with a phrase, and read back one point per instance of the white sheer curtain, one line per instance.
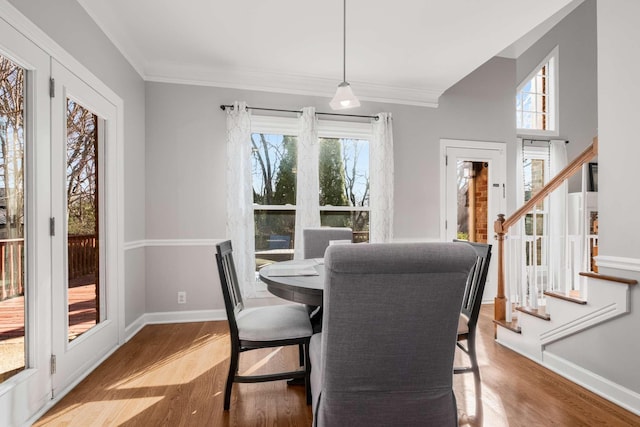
(381, 180)
(558, 269)
(240, 225)
(308, 181)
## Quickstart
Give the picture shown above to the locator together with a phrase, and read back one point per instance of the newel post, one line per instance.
(500, 302)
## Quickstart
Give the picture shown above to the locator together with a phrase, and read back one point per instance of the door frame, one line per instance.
(18, 388)
(498, 174)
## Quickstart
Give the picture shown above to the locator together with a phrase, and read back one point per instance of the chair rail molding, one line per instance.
(136, 244)
(618, 263)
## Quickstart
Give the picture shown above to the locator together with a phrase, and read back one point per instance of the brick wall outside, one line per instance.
(481, 201)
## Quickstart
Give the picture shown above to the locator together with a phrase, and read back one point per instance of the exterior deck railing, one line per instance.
(82, 259)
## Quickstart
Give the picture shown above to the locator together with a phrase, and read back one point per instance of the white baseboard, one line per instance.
(185, 316)
(621, 396)
(135, 327)
(173, 317)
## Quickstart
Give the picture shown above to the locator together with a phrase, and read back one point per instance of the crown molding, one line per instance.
(266, 81)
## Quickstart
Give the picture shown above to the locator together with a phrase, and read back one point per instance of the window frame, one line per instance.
(537, 152)
(326, 129)
(552, 59)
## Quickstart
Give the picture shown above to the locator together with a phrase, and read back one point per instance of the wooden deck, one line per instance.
(82, 316)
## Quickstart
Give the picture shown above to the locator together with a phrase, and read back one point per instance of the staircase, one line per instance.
(532, 316)
(531, 330)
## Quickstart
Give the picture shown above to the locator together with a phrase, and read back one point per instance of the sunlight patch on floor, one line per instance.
(262, 362)
(182, 367)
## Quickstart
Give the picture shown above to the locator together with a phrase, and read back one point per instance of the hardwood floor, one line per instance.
(174, 375)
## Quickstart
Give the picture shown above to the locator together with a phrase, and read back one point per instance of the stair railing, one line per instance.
(502, 224)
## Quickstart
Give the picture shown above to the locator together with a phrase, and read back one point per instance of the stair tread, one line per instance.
(609, 278)
(512, 326)
(536, 312)
(571, 297)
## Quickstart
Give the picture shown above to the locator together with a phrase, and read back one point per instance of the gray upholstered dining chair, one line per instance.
(317, 240)
(385, 354)
(260, 327)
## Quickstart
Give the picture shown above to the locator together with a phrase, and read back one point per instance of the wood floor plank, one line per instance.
(174, 375)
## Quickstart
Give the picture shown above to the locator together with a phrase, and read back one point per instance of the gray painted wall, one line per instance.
(575, 37)
(67, 23)
(611, 350)
(186, 162)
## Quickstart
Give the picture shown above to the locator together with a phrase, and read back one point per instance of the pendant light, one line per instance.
(344, 97)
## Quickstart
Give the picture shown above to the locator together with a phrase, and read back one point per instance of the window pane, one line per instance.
(527, 101)
(274, 235)
(534, 98)
(83, 235)
(534, 179)
(358, 221)
(344, 172)
(12, 220)
(273, 166)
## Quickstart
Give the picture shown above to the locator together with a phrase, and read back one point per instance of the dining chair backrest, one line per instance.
(233, 302)
(389, 334)
(476, 281)
(317, 240)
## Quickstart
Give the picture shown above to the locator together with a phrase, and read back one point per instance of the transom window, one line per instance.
(536, 99)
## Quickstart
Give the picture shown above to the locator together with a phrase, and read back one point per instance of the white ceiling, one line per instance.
(408, 51)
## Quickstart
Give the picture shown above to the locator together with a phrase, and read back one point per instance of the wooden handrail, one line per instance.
(502, 224)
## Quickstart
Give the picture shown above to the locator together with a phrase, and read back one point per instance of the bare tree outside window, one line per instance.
(343, 193)
(12, 260)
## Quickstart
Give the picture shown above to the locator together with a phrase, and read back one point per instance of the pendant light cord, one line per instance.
(344, 40)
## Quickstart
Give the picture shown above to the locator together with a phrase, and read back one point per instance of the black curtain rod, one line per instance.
(224, 107)
(540, 140)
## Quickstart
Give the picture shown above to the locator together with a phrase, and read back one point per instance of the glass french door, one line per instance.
(85, 326)
(25, 245)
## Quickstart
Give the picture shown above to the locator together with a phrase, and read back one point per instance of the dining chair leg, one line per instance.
(233, 369)
(301, 354)
(307, 373)
(471, 347)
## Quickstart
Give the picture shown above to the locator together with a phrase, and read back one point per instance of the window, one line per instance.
(344, 184)
(273, 165)
(536, 172)
(343, 195)
(536, 99)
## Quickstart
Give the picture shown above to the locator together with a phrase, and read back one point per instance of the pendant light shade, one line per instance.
(344, 97)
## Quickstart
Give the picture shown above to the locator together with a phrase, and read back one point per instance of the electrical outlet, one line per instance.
(182, 297)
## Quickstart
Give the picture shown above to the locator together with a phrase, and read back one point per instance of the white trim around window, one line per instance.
(554, 105)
